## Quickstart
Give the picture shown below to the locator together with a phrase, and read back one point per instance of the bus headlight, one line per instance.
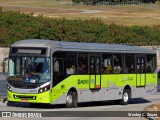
(9, 88)
(44, 89)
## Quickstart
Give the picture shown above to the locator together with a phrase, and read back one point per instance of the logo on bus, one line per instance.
(83, 82)
(27, 79)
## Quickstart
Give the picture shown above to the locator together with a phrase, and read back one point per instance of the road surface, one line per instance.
(104, 108)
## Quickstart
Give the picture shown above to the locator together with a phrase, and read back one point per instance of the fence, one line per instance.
(105, 3)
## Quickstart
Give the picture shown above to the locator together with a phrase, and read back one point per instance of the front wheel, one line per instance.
(71, 99)
(125, 97)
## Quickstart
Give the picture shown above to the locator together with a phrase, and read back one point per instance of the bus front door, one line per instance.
(95, 72)
(141, 76)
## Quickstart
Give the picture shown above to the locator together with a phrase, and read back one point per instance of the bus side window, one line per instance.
(59, 63)
(118, 64)
(82, 63)
(70, 69)
(129, 64)
(150, 63)
(107, 63)
(71, 63)
(56, 65)
(59, 69)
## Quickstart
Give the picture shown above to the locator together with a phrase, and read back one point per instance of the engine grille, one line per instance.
(24, 97)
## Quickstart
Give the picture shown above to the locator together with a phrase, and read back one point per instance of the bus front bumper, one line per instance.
(28, 98)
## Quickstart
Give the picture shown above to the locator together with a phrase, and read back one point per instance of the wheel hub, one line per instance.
(69, 99)
(125, 97)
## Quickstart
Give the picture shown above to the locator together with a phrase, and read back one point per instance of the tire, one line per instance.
(71, 99)
(75, 99)
(125, 97)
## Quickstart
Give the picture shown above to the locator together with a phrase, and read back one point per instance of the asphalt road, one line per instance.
(85, 111)
(3, 86)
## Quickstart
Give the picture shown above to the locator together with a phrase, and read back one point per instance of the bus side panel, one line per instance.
(79, 82)
(92, 82)
(138, 83)
(118, 80)
(111, 87)
(150, 86)
(108, 81)
(151, 79)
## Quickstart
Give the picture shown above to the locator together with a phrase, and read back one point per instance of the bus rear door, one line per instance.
(95, 71)
(141, 76)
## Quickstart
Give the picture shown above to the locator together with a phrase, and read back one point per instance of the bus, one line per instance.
(58, 72)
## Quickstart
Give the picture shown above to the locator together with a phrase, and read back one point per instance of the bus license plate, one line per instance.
(24, 100)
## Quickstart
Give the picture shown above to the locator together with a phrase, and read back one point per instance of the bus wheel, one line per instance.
(125, 97)
(71, 99)
(74, 99)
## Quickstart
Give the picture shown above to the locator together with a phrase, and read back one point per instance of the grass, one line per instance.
(157, 3)
(126, 15)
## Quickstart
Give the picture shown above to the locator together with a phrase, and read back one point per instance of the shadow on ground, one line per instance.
(86, 104)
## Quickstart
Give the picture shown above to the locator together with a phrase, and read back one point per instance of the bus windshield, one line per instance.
(28, 70)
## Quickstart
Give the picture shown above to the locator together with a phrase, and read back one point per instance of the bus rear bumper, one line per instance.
(28, 98)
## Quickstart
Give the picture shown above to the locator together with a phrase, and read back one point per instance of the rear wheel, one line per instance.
(125, 97)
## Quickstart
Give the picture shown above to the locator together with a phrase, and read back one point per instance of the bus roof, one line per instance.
(81, 46)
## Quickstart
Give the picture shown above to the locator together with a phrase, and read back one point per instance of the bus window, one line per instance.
(107, 63)
(56, 65)
(150, 63)
(59, 62)
(118, 66)
(71, 63)
(82, 63)
(140, 64)
(143, 65)
(129, 64)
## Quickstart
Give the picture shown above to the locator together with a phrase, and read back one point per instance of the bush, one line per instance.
(17, 26)
(76, 1)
